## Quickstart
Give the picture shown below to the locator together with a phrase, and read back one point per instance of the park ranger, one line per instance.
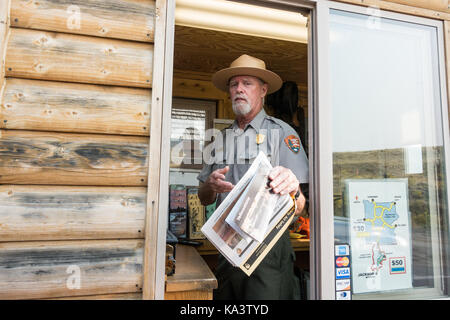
(248, 81)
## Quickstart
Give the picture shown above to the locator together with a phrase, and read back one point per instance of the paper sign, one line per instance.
(380, 234)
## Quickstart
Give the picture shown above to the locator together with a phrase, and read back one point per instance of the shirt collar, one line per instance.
(255, 123)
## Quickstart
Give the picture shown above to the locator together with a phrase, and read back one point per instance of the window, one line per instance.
(388, 154)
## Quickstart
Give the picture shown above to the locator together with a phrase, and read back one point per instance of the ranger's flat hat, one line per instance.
(247, 65)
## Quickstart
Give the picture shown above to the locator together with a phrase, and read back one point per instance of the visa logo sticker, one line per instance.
(342, 273)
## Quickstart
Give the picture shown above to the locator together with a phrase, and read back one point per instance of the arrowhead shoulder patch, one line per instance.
(293, 143)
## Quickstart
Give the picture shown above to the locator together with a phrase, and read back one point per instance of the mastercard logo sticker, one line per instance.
(342, 262)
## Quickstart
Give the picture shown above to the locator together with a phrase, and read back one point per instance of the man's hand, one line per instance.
(283, 181)
(216, 181)
(213, 185)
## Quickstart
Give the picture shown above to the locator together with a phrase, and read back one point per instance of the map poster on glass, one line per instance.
(380, 234)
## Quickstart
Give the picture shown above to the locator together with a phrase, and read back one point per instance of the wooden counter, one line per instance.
(300, 244)
(193, 280)
(208, 249)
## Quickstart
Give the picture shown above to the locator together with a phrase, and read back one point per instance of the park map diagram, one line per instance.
(379, 221)
(380, 235)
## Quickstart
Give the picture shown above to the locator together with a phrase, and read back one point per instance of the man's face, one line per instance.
(246, 94)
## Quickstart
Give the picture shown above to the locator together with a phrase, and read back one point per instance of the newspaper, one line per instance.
(250, 219)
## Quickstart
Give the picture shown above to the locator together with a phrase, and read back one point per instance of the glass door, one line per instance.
(382, 155)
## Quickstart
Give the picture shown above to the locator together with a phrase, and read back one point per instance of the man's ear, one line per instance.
(264, 89)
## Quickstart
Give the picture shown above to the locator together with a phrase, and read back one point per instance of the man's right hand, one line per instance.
(216, 181)
(213, 185)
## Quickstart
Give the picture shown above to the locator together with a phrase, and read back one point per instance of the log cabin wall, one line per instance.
(75, 105)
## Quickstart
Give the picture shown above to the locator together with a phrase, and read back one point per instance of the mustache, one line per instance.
(241, 96)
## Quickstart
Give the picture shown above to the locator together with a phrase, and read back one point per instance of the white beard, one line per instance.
(241, 108)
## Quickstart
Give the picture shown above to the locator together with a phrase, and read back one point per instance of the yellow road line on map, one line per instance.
(381, 215)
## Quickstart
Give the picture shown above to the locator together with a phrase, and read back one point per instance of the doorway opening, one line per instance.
(209, 35)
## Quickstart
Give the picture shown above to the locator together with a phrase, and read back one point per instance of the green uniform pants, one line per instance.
(273, 279)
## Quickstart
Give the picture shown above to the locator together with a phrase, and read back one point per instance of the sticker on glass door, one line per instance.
(380, 234)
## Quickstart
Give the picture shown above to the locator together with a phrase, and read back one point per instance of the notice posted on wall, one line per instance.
(380, 234)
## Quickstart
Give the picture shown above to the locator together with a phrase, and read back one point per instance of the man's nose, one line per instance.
(240, 87)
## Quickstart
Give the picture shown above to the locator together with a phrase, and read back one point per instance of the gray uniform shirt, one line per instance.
(238, 148)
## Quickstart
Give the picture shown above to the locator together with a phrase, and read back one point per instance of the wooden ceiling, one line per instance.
(206, 51)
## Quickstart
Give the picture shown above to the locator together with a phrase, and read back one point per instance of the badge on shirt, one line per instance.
(260, 138)
(293, 143)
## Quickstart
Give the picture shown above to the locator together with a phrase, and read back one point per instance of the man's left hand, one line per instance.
(283, 181)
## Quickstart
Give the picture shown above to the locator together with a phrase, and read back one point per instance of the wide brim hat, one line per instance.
(247, 65)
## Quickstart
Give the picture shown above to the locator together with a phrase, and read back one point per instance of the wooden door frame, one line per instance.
(159, 153)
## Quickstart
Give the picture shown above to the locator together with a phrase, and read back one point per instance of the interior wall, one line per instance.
(199, 53)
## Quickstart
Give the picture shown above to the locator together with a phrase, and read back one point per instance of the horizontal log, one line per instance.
(29, 213)
(122, 19)
(45, 55)
(50, 158)
(395, 6)
(30, 270)
(439, 5)
(73, 107)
